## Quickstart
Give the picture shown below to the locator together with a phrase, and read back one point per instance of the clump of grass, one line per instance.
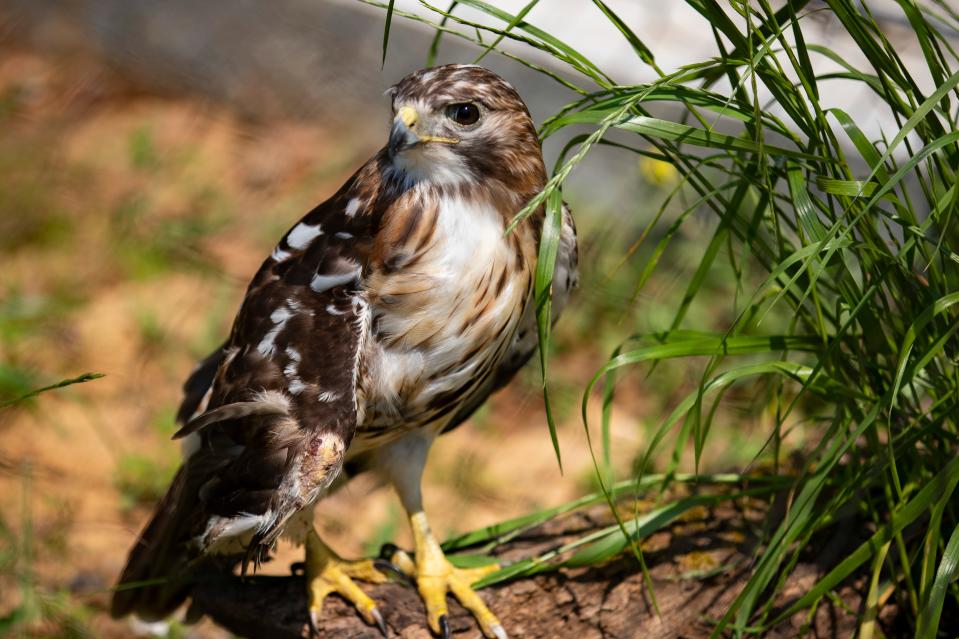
(851, 239)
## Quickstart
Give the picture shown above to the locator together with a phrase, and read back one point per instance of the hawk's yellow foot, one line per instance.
(435, 576)
(327, 572)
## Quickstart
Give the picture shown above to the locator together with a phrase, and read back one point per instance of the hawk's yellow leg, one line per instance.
(436, 576)
(327, 572)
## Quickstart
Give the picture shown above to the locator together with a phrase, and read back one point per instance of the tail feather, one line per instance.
(156, 578)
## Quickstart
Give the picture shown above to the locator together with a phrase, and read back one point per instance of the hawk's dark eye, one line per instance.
(464, 113)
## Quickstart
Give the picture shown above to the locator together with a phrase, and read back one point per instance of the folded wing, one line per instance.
(267, 418)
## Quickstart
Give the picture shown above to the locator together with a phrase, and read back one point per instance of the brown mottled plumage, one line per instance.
(385, 316)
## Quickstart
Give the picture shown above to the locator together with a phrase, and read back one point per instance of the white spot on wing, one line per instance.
(279, 317)
(328, 396)
(143, 628)
(302, 234)
(352, 207)
(229, 535)
(279, 254)
(296, 386)
(321, 283)
(332, 310)
(343, 235)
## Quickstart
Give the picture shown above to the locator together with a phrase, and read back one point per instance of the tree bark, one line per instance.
(697, 568)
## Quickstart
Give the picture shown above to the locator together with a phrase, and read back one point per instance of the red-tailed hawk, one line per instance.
(385, 317)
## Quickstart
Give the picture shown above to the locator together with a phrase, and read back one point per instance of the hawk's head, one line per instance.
(463, 124)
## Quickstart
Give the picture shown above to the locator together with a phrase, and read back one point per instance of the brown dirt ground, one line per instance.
(610, 600)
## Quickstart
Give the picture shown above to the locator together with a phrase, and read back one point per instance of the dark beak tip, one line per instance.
(401, 138)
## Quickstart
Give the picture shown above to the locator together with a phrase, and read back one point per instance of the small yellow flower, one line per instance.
(658, 172)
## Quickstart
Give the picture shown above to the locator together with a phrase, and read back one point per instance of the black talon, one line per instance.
(387, 551)
(380, 623)
(384, 565)
(444, 627)
(314, 627)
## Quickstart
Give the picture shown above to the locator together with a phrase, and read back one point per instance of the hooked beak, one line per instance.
(402, 135)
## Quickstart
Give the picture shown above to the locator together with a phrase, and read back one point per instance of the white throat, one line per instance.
(432, 163)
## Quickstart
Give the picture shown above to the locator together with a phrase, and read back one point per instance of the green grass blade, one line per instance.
(435, 43)
(602, 545)
(944, 483)
(683, 133)
(542, 296)
(799, 192)
(502, 532)
(565, 52)
(849, 188)
(919, 115)
(868, 628)
(86, 377)
(679, 345)
(386, 31)
(512, 24)
(948, 572)
(926, 316)
(644, 53)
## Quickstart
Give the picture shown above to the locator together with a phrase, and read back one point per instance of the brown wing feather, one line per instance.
(296, 341)
(229, 412)
(154, 581)
(197, 384)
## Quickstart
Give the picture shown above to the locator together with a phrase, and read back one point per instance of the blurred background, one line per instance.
(151, 154)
